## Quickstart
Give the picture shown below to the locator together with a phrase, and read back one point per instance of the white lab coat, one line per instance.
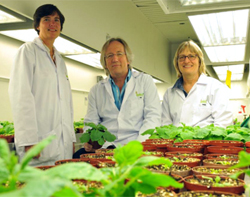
(41, 102)
(140, 109)
(206, 103)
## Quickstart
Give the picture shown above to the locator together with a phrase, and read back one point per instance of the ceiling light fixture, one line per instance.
(237, 72)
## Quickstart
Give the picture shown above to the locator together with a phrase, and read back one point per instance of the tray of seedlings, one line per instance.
(189, 161)
(161, 192)
(219, 162)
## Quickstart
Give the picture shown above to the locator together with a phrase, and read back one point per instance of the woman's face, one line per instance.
(188, 63)
(49, 27)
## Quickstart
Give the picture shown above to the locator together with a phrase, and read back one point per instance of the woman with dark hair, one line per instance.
(40, 92)
(195, 99)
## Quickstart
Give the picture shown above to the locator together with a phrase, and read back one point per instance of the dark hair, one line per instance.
(45, 10)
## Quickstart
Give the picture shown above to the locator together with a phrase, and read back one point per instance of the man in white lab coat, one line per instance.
(40, 92)
(126, 102)
(195, 99)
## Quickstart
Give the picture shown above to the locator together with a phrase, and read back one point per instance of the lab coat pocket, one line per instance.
(137, 106)
(51, 151)
(203, 112)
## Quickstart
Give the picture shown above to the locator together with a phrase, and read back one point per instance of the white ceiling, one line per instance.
(175, 25)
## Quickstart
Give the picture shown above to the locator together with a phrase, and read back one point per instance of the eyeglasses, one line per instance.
(111, 55)
(190, 57)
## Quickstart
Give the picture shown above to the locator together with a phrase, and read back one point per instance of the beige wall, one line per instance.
(89, 21)
(82, 78)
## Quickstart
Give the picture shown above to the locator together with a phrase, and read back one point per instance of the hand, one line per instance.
(26, 148)
(88, 147)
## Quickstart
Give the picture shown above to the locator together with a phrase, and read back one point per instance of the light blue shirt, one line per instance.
(118, 96)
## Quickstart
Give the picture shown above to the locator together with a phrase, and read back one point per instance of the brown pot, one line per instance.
(238, 189)
(45, 167)
(221, 171)
(219, 162)
(191, 164)
(204, 142)
(105, 164)
(226, 143)
(97, 156)
(184, 154)
(95, 144)
(224, 149)
(247, 144)
(9, 138)
(87, 160)
(205, 193)
(221, 156)
(187, 148)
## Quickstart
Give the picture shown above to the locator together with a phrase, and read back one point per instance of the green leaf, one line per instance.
(85, 137)
(154, 136)
(90, 124)
(187, 135)
(128, 154)
(35, 150)
(95, 135)
(4, 151)
(234, 136)
(201, 133)
(152, 160)
(76, 170)
(101, 127)
(148, 132)
(244, 158)
(109, 136)
(101, 141)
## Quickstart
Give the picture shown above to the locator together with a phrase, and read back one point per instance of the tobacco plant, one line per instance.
(126, 179)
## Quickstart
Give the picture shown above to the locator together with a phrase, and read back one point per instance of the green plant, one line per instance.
(78, 124)
(6, 128)
(97, 133)
(126, 179)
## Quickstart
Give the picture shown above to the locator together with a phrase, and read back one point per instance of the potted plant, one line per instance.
(224, 149)
(214, 183)
(78, 126)
(7, 131)
(189, 161)
(184, 154)
(217, 170)
(206, 193)
(96, 135)
(220, 162)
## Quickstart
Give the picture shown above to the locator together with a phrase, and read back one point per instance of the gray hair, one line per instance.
(128, 53)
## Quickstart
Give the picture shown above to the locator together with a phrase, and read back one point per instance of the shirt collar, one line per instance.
(126, 80)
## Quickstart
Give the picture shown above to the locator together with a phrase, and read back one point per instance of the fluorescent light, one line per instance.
(229, 53)
(63, 45)
(221, 28)
(237, 72)
(8, 18)
(201, 2)
(89, 59)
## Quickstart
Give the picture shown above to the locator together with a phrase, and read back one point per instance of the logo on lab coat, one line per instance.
(139, 94)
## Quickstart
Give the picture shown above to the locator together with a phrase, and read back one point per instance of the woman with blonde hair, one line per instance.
(195, 99)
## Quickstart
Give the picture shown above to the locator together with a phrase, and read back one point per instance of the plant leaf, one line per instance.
(90, 124)
(244, 158)
(148, 132)
(101, 127)
(109, 136)
(4, 151)
(85, 137)
(101, 141)
(128, 154)
(35, 150)
(95, 135)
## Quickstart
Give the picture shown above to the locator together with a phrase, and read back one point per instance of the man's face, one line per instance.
(116, 60)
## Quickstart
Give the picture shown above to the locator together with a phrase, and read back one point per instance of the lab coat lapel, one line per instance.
(129, 88)
(108, 88)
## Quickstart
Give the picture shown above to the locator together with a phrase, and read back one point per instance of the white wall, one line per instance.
(89, 21)
(82, 78)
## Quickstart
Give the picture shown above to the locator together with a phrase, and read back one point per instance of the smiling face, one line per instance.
(188, 67)
(116, 60)
(49, 27)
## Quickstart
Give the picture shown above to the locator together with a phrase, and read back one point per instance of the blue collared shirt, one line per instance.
(118, 96)
(178, 84)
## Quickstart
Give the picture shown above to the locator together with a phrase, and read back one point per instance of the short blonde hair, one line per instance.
(128, 53)
(194, 48)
